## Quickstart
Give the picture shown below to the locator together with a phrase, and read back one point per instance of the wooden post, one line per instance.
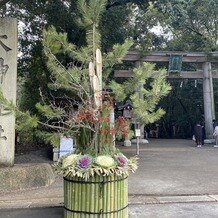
(208, 116)
(112, 124)
(141, 96)
(8, 85)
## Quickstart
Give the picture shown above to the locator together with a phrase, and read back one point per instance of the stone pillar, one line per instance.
(211, 91)
(8, 84)
(208, 105)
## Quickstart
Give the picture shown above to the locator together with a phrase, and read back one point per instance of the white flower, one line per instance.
(70, 160)
(105, 161)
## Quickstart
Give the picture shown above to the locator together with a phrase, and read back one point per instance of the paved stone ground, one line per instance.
(174, 167)
(167, 167)
(175, 210)
(174, 179)
(192, 210)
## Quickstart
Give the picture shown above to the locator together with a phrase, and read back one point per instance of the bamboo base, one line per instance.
(98, 197)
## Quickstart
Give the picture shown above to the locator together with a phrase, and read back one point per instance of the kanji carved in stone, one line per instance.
(2, 130)
(6, 48)
(3, 69)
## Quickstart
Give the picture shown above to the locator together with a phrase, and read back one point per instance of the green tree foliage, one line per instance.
(193, 23)
(70, 83)
(37, 14)
(70, 86)
(184, 107)
(33, 16)
(150, 87)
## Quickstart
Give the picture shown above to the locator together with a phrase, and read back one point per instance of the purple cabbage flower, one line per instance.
(84, 162)
(122, 161)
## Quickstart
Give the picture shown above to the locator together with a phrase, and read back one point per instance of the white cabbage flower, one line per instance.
(105, 161)
(70, 160)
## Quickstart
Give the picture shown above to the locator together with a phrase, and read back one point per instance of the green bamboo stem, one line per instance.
(101, 192)
(97, 193)
(118, 194)
(107, 193)
(126, 197)
(65, 196)
(78, 196)
(83, 196)
(115, 194)
(77, 193)
(121, 196)
(93, 198)
(112, 197)
(69, 195)
(86, 197)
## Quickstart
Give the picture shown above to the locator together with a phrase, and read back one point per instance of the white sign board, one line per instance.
(137, 132)
(66, 146)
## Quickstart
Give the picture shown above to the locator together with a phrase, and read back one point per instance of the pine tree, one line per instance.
(73, 98)
(150, 87)
(69, 106)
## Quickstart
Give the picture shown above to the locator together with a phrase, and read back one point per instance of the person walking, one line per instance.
(215, 134)
(203, 133)
(198, 132)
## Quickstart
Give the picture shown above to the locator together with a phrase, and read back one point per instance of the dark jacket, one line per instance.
(198, 132)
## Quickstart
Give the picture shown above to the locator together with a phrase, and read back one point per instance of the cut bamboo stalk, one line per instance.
(99, 63)
(106, 195)
(126, 197)
(104, 200)
(87, 197)
(76, 188)
(97, 96)
(118, 188)
(101, 198)
(91, 73)
(65, 196)
(78, 195)
(69, 202)
(121, 195)
(83, 196)
(112, 197)
(99, 70)
(115, 194)
(72, 191)
(96, 188)
(92, 197)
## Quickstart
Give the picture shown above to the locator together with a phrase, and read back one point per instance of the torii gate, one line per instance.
(205, 73)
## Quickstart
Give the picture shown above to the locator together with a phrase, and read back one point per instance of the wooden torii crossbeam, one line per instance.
(191, 57)
(206, 74)
(183, 75)
(163, 56)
